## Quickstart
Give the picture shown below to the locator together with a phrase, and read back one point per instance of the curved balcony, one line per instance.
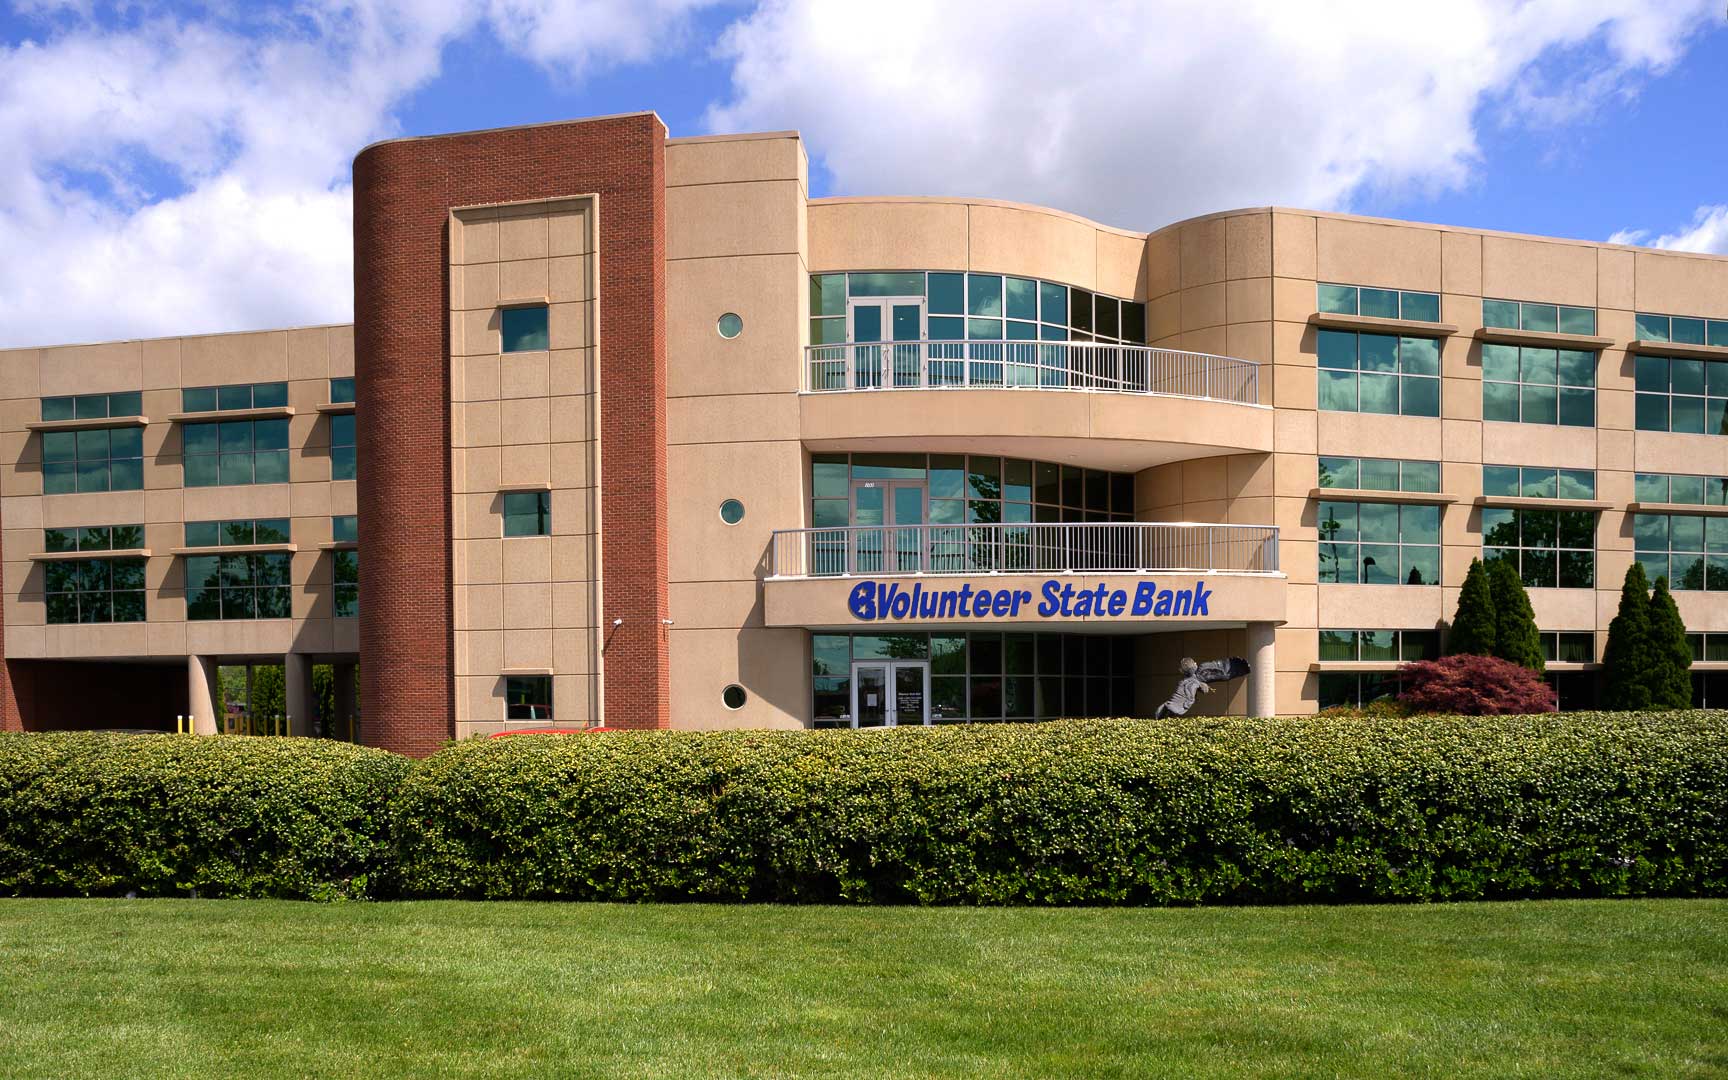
(1032, 365)
(1118, 547)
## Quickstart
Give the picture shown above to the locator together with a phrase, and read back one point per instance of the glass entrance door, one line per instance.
(887, 516)
(890, 693)
(884, 337)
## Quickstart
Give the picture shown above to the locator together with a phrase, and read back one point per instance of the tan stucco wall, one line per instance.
(525, 421)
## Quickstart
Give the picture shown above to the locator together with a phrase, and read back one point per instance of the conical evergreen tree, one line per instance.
(1670, 676)
(1474, 626)
(1515, 635)
(1627, 659)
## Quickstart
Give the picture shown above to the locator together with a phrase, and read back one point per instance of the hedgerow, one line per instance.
(1083, 812)
(87, 814)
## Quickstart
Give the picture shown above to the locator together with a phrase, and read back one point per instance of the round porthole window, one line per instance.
(731, 511)
(729, 325)
(733, 697)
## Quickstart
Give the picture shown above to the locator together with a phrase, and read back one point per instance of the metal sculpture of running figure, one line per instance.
(1196, 679)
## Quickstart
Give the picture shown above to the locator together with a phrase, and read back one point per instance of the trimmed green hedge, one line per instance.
(1084, 812)
(162, 815)
(1077, 812)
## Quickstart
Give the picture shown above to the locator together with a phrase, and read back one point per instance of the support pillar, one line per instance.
(1263, 674)
(201, 691)
(297, 693)
(343, 724)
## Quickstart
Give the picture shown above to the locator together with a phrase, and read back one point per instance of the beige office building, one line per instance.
(632, 431)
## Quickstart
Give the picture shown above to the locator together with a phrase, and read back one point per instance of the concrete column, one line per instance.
(297, 693)
(343, 725)
(1262, 675)
(201, 694)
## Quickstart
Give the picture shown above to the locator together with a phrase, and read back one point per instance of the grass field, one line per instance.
(262, 989)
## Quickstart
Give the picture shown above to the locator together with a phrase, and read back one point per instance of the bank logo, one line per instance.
(872, 601)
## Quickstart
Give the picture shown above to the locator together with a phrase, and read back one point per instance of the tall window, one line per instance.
(96, 459)
(1682, 395)
(527, 513)
(1379, 474)
(1379, 543)
(1538, 386)
(1549, 548)
(94, 590)
(1379, 303)
(1545, 318)
(1379, 373)
(1690, 551)
(272, 395)
(528, 697)
(345, 574)
(235, 452)
(1681, 330)
(342, 446)
(254, 585)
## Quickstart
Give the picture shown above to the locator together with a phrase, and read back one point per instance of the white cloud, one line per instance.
(1708, 233)
(1139, 112)
(167, 176)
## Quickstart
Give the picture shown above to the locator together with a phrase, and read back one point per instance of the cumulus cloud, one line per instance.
(1138, 112)
(1708, 232)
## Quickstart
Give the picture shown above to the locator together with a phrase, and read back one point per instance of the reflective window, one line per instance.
(1379, 543)
(96, 459)
(1676, 394)
(94, 538)
(273, 395)
(975, 307)
(528, 697)
(731, 511)
(1511, 481)
(1538, 386)
(1354, 689)
(345, 529)
(251, 585)
(1379, 373)
(93, 406)
(1549, 548)
(1681, 330)
(342, 453)
(1675, 488)
(1546, 318)
(341, 390)
(242, 532)
(235, 452)
(527, 513)
(94, 590)
(1379, 303)
(734, 697)
(1690, 551)
(345, 577)
(1379, 474)
(524, 329)
(729, 325)
(1386, 646)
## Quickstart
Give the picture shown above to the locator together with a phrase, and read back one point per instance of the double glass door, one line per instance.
(885, 336)
(890, 693)
(887, 519)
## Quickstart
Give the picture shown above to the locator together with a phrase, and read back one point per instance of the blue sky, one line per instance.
(179, 168)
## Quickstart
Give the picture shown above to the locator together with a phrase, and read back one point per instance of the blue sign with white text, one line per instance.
(1056, 599)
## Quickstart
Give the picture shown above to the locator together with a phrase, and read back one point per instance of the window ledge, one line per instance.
(1564, 665)
(1352, 666)
(1515, 502)
(1369, 323)
(339, 545)
(279, 412)
(1696, 509)
(336, 406)
(80, 556)
(506, 489)
(89, 423)
(1542, 338)
(1676, 348)
(527, 671)
(525, 301)
(235, 549)
(1375, 495)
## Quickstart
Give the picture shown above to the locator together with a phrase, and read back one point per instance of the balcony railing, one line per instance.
(1031, 365)
(1118, 547)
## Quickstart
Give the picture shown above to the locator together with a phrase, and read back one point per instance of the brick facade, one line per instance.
(403, 193)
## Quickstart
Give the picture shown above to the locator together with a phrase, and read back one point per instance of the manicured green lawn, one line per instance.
(260, 989)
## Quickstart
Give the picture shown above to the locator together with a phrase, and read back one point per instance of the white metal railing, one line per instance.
(1009, 365)
(1100, 547)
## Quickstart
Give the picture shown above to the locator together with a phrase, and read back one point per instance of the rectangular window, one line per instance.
(1568, 646)
(94, 590)
(1676, 394)
(345, 529)
(1546, 318)
(1378, 373)
(1379, 543)
(524, 328)
(528, 697)
(1379, 474)
(1538, 386)
(95, 459)
(342, 459)
(980, 307)
(235, 452)
(1511, 481)
(1379, 303)
(345, 573)
(1681, 330)
(240, 532)
(1354, 689)
(94, 538)
(1675, 488)
(527, 513)
(247, 585)
(272, 395)
(93, 406)
(1690, 551)
(1549, 548)
(342, 390)
(1379, 645)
